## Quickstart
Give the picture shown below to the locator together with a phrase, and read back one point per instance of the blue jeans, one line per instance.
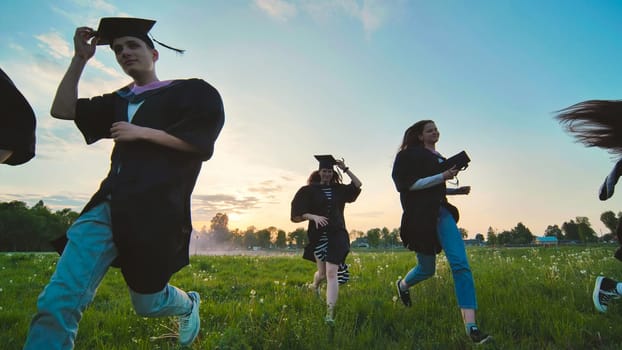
(79, 271)
(451, 240)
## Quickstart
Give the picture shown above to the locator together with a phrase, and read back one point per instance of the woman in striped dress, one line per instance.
(322, 202)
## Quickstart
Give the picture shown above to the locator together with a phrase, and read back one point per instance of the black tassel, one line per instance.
(168, 47)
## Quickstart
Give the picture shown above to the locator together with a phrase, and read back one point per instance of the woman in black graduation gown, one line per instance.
(322, 202)
(429, 221)
(598, 123)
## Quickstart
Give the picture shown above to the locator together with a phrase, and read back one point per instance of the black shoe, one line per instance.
(404, 294)
(604, 291)
(477, 336)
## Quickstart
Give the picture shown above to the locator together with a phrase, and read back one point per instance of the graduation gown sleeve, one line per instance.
(17, 132)
(94, 117)
(202, 118)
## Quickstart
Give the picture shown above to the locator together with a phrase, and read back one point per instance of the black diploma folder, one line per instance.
(460, 160)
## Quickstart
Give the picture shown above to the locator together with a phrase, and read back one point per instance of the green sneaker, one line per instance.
(330, 317)
(190, 324)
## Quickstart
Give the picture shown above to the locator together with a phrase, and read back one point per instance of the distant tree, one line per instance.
(373, 237)
(385, 237)
(609, 237)
(504, 237)
(66, 217)
(238, 238)
(394, 239)
(299, 237)
(491, 236)
(571, 230)
(17, 227)
(263, 238)
(579, 230)
(356, 234)
(281, 239)
(521, 234)
(250, 238)
(479, 237)
(220, 221)
(31, 229)
(200, 239)
(463, 232)
(273, 232)
(586, 232)
(219, 230)
(610, 220)
(554, 231)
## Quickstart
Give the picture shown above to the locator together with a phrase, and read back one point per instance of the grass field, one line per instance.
(529, 298)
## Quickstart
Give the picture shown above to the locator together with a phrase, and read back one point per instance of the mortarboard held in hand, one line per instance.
(326, 161)
(111, 28)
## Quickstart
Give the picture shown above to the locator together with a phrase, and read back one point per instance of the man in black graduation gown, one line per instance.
(17, 130)
(139, 219)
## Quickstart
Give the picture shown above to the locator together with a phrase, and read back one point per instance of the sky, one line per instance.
(343, 77)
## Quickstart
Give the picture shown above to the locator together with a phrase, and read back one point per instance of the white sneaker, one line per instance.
(190, 324)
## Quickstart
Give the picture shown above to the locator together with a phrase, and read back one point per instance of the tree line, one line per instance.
(30, 229)
(575, 230)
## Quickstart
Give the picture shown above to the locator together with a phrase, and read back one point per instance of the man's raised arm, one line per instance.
(64, 104)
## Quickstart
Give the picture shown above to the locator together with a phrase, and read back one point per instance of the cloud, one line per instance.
(57, 47)
(288, 178)
(224, 203)
(367, 214)
(256, 197)
(204, 207)
(370, 13)
(54, 44)
(278, 9)
(73, 201)
(268, 188)
(99, 5)
(112, 72)
(88, 12)
(16, 47)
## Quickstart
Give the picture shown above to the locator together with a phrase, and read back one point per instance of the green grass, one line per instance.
(529, 298)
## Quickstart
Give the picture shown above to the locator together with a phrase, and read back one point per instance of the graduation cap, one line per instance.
(326, 161)
(111, 28)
